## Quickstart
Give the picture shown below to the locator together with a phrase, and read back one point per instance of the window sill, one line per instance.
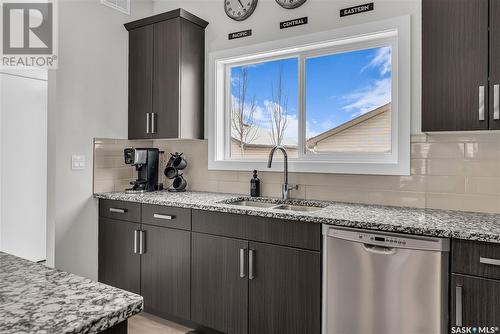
(327, 167)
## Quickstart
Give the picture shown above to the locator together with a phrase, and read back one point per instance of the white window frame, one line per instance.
(393, 32)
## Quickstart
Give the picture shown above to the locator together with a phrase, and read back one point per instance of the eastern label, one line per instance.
(357, 9)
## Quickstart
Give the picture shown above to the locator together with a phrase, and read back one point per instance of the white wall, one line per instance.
(88, 94)
(323, 15)
(88, 98)
(23, 148)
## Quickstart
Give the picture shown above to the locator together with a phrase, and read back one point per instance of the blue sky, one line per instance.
(339, 88)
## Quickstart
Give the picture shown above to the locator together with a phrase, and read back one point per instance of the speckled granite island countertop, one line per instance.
(41, 300)
(440, 223)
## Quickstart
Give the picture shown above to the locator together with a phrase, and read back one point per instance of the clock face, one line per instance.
(239, 10)
(290, 4)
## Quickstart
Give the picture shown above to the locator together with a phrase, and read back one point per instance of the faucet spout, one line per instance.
(285, 187)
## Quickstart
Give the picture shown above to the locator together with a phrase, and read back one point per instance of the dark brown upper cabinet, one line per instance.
(166, 76)
(455, 50)
(494, 114)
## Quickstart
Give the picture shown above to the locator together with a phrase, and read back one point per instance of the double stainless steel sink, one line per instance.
(277, 204)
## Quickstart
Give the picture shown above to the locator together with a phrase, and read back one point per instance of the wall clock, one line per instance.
(239, 10)
(290, 4)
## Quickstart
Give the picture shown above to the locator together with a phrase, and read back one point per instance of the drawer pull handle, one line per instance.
(458, 306)
(142, 246)
(242, 263)
(496, 102)
(481, 103)
(136, 232)
(167, 217)
(115, 210)
(251, 260)
(493, 262)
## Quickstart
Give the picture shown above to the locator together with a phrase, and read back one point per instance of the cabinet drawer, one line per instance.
(476, 258)
(166, 216)
(284, 232)
(218, 223)
(120, 210)
(268, 230)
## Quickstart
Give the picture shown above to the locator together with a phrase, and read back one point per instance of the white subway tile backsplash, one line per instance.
(463, 202)
(448, 171)
(438, 150)
(445, 167)
(483, 185)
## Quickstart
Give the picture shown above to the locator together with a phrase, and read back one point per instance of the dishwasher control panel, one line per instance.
(381, 239)
(389, 239)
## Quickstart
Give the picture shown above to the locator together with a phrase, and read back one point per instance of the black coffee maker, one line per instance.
(146, 162)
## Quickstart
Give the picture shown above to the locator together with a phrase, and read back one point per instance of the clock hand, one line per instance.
(242, 7)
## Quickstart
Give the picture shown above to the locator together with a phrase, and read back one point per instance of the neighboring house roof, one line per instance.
(370, 132)
(250, 146)
(263, 138)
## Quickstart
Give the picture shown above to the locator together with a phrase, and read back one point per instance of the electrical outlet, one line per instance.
(78, 162)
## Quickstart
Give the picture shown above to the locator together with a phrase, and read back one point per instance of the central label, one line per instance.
(293, 23)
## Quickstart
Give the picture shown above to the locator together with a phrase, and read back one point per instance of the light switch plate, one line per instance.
(78, 162)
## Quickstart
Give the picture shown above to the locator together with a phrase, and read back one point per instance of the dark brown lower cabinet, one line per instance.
(226, 283)
(474, 301)
(219, 295)
(257, 288)
(118, 265)
(285, 292)
(165, 271)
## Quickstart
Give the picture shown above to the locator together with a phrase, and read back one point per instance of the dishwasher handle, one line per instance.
(379, 249)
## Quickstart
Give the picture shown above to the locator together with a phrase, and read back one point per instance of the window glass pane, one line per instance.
(348, 102)
(264, 108)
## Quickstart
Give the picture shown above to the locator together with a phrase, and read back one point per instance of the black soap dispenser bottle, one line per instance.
(255, 185)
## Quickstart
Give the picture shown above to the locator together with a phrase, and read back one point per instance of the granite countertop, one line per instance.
(439, 223)
(42, 300)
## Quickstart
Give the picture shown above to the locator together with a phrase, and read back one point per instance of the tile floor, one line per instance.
(148, 324)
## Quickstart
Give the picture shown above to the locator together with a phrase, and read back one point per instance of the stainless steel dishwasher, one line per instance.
(384, 283)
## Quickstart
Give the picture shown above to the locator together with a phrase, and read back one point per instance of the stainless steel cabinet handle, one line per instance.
(116, 210)
(496, 102)
(481, 103)
(242, 263)
(458, 306)
(135, 241)
(250, 264)
(142, 248)
(160, 216)
(486, 260)
(147, 122)
(153, 122)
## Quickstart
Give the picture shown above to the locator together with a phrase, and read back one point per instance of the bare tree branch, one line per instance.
(279, 111)
(243, 113)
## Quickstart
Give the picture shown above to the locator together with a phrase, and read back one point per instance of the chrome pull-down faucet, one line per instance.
(285, 187)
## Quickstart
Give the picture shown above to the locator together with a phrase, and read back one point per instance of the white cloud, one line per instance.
(382, 61)
(372, 97)
(292, 130)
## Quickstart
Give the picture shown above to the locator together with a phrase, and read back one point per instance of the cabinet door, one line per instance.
(219, 295)
(140, 88)
(166, 79)
(494, 65)
(454, 64)
(118, 265)
(285, 292)
(475, 300)
(165, 271)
